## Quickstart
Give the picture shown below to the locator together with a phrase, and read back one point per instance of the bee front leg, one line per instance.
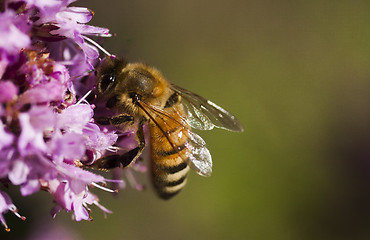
(116, 160)
(115, 120)
(133, 154)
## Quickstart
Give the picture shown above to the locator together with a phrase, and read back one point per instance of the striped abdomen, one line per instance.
(169, 170)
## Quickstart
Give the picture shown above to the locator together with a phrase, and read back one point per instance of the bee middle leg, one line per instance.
(116, 160)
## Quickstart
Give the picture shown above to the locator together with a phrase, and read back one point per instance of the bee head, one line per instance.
(124, 83)
(107, 74)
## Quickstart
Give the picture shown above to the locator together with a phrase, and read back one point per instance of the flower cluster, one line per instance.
(46, 135)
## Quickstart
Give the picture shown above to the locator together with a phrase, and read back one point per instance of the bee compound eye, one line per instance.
(106, 81)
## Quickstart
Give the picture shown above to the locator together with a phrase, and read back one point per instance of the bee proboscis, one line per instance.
(140, 94)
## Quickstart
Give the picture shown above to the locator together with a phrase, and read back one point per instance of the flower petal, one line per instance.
(30, 187)
(75, 117)
(19, 172)
(8, 91)
(13, 31)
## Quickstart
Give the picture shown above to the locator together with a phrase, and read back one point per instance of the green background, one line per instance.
(296, 74)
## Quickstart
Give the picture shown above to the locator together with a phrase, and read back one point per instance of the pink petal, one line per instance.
(30, 187)
(8, 91)
(19, 172)
(75, 117)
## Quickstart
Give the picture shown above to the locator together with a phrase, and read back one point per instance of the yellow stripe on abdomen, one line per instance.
(169, 168)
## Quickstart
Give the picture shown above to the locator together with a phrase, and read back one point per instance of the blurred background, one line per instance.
(296, 74)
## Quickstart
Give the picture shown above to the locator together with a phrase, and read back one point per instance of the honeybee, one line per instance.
(140, 94)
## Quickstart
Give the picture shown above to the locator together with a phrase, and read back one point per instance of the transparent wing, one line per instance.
(198, 156)
(200, 159)
(203, 114)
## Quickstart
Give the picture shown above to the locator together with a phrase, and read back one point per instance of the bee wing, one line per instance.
(198, 158)
(203, 114)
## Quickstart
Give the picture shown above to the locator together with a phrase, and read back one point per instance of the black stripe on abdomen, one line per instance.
(168, 181)
(160, 182)
(171, 169)
(174, 150)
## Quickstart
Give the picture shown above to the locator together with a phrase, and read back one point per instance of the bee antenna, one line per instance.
(81, 75)
(97, 45)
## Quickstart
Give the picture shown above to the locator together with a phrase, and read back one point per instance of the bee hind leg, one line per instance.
(116, 160)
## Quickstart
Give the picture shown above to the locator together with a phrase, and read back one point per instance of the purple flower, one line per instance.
(71, 191)
(67, 147)
(57, 21)
(47, 139)
(8, 91)
(98, 141)
(14, 37)
(5, 206)
(6, 138)
(75, 117)
(30, 140)
(15, 28)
